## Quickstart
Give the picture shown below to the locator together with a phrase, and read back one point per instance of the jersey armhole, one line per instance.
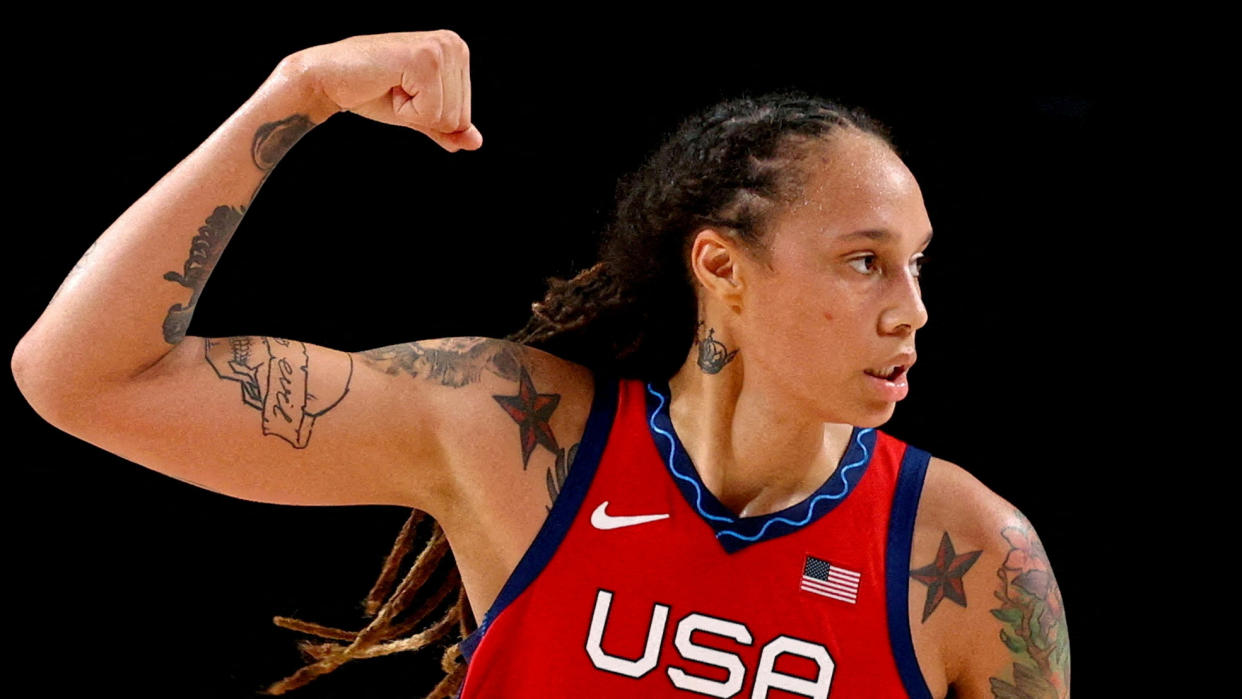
(900, 538)
(564, 509)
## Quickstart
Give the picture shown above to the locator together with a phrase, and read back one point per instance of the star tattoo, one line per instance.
(943, 578)
(531, 410)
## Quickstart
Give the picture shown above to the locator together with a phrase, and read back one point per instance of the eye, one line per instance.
(917, 264)
(864, 264)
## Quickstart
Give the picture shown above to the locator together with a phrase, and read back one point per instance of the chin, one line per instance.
(876, 416)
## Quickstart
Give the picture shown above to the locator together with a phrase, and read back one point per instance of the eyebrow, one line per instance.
(881, 235)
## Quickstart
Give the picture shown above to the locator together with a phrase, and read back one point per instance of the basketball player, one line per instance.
(713, 512)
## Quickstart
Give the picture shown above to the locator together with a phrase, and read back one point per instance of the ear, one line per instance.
(716, 260)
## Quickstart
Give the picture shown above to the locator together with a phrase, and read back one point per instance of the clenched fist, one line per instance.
(415, 79)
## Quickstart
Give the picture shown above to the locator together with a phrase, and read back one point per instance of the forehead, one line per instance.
(855, 182)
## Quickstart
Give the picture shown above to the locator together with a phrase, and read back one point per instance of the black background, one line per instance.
(132, 580)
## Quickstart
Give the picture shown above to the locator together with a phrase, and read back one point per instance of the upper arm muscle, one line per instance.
(271, 420)
(288, 422)
(984, 607)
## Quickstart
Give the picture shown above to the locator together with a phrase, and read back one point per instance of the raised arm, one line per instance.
(256, 417)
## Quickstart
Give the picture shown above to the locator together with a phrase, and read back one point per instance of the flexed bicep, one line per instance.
(275, 378)
(272, 420)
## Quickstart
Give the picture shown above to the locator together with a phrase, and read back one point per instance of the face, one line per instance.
(837, 306)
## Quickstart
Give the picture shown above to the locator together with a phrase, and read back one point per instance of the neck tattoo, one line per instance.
(713, 355)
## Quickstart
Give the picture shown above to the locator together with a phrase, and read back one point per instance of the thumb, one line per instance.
(470, 139)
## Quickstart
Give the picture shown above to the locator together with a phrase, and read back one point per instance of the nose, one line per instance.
(905, 311)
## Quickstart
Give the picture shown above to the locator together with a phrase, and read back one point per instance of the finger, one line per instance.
(401, 103)
(470, 139)
(450, 85)
(445, 141)
(421, 80)
(464, 123)
(461, 83)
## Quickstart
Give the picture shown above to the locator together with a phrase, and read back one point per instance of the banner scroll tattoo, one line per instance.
(278, 382)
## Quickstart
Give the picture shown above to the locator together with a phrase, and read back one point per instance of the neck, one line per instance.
(753, 448)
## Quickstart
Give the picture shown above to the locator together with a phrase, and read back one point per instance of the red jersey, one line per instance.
(641, 583)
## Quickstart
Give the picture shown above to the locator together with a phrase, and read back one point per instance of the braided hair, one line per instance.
(730, 167)
(632, 314)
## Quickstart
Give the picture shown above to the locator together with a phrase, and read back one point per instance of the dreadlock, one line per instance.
(632, 314)
(386, 634)
(729, 167)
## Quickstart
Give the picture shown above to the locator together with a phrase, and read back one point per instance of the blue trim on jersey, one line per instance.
(897, 563)
(564, 510)
(735, 533)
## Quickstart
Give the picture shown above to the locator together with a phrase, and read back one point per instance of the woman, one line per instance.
(794, 346)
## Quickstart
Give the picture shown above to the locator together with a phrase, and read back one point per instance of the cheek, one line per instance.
(779, 330)
(836, 329)
(799, 321)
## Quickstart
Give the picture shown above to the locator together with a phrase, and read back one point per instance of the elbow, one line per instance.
(47, 391)
(31, 382)
(24, 366)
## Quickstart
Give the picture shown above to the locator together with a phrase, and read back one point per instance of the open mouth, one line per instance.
(891, 373)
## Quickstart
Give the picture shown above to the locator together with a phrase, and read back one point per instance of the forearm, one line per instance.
(129, 300)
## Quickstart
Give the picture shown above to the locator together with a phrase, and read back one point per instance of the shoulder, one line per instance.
(497, 408)
(985, 610)
(459, 362)
(467, 371)
(953, 499)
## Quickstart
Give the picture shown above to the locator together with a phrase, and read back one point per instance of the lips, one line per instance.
(889, 379)
(893, 368)
(889, 373)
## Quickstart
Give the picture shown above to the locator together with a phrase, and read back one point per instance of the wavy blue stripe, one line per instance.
(672, 447)
(845, 488)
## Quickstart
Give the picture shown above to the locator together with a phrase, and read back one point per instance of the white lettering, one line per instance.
(710, 656)
(767, 677)
(624, 666)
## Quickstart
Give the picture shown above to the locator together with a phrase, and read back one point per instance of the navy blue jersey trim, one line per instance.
(564, 510)
(735, 533)
(897, 564)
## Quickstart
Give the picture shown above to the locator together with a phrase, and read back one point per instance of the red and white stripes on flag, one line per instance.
(823, 578)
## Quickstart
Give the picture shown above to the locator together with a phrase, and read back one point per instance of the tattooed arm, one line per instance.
(109, 359)
(130, 298)
(986, 613)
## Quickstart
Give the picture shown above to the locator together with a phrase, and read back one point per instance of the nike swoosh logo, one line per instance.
(603, 520)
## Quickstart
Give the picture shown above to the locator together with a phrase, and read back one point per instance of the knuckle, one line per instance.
(429, 53)
(451, 41)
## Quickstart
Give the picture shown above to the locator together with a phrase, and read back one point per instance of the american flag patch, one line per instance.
(823, 578)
